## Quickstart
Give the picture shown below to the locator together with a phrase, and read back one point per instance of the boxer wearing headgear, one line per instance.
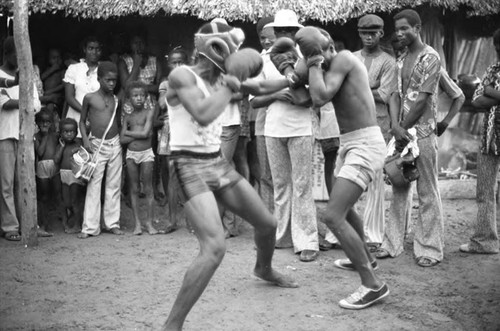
(205, 178)
(216, 41)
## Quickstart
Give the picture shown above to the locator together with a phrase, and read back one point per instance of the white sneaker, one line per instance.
(364, 297)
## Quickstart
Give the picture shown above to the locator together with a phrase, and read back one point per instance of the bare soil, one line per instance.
(130, 282)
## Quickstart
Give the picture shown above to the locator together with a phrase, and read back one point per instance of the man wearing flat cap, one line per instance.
(381, 70)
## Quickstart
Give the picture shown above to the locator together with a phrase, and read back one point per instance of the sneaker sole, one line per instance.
(346, 305)
(341, 266)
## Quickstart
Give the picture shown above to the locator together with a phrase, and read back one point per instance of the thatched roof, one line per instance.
(247, 10)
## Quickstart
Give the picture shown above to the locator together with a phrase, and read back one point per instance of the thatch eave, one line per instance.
(326, 11)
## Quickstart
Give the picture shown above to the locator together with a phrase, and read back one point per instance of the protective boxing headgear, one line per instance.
(216, 41)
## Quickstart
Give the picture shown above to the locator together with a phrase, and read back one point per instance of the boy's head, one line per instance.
(136, 93)
(55, 57)
(44, 120)
(107, 74)
(177, 57)
(68, 129)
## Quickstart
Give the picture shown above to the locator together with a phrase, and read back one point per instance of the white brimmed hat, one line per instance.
(285, 18)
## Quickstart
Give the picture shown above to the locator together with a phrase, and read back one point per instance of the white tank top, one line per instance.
(186, 133)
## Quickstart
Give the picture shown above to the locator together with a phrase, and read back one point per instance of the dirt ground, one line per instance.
(130, 282)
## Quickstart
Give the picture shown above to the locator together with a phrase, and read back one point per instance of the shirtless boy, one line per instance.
(342, 79)
(136, 134)
(47, 171)
(73, 189)
(98, 107)
(206, 178)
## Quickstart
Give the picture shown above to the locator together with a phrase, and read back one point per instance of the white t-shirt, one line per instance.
(9, 119)
(84, 81)
(282, 118)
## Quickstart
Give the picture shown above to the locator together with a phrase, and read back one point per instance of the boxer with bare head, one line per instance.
(341, 78)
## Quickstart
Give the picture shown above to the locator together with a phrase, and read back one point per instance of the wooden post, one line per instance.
(25, 171)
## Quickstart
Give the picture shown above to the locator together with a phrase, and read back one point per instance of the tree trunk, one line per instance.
(25, 171)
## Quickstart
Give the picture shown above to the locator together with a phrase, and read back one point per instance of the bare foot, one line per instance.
(83, 235)
(116, 231)
(73, 230)
(138, 231)
(276, 278)
(151, 229)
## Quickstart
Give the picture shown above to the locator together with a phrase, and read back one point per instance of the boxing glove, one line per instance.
(311, 41)
(243, 64)
(283, 54)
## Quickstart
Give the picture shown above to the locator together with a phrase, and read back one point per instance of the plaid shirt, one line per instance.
(147, 75)
(424, 78)
(491, 126)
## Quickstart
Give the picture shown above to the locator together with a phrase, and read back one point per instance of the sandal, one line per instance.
(13, 236)
(381, 253)
(426, 262)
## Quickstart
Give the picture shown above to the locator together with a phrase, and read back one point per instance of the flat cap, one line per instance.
(370, 22)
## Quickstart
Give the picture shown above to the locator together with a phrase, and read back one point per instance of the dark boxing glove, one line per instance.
(311, 41)
(283, 54)
(245, 63)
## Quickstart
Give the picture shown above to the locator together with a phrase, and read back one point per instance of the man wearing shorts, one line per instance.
(342, 79)
(205, 176)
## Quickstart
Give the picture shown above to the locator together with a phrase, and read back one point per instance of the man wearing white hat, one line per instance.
(289, 142)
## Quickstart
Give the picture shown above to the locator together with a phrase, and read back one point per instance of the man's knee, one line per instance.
(269, 225)
(215, 250)
(333, 220)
